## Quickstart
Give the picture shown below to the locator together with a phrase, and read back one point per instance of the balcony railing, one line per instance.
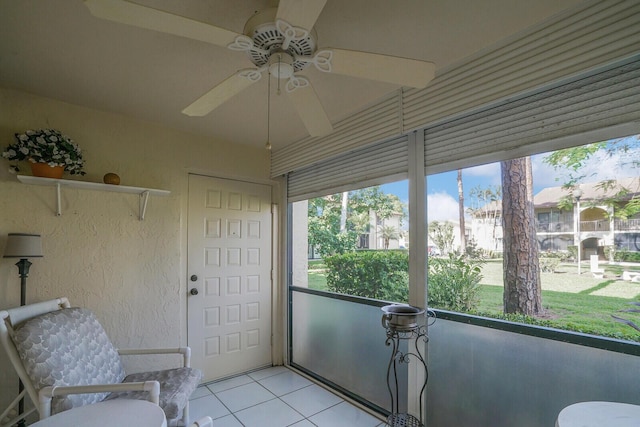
(554, 227)
(627, 224)
(599, 225)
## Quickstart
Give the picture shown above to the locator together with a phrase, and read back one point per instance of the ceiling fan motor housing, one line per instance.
(261, 28)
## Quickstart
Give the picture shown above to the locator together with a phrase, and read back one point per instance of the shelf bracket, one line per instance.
(144, 198)
(58, 204)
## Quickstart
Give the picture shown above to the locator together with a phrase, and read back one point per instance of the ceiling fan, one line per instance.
(280, 41)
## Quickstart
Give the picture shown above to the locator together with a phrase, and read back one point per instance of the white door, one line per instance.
(229, 275)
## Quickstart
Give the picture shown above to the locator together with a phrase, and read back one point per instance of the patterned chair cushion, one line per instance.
(68, 347)
(176, 385)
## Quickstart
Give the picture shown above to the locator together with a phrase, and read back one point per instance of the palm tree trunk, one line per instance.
(343, 212)
(463, 238)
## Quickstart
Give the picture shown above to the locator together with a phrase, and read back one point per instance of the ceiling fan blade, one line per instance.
(390, 69)
(125, 12)
(306, 102)
(300, 13)
(211, 100)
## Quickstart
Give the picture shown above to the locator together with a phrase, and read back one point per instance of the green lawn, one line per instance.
(318, 280)
(577, 312)
(573, 302)
(317, 275)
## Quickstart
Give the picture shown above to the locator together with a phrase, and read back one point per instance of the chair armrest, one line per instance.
(47, 393)
(185, 351)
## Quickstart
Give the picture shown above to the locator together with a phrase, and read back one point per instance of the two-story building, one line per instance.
(590, 220)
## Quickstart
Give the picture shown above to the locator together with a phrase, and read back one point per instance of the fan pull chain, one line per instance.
(268, 144)
(279, 62)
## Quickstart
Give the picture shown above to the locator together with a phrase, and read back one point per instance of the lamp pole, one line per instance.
(23, 246)
(577, 194)
(23, 270)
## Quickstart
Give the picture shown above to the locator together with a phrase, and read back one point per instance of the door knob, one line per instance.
(193, 278)
(193, 291)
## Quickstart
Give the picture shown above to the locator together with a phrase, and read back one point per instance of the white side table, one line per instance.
(110, 413)
(599, 414)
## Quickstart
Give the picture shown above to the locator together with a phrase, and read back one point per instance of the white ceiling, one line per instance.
(57, 49)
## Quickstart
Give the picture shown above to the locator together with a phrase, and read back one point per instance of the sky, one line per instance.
(442, 189)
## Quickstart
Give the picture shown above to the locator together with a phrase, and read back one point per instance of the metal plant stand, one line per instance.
(400, 326)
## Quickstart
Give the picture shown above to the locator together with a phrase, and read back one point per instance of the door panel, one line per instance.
(229, 265)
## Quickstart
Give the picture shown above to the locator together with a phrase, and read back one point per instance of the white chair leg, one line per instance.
(185, 415)
(203, 422)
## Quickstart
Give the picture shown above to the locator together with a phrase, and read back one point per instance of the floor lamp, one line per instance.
(23, 246)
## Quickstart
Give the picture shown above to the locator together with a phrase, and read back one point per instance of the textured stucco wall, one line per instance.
(130, 272)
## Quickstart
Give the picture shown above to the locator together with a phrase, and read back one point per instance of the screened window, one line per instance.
(353, 242)
(584, 222)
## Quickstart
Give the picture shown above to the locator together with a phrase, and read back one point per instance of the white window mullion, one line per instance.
(417, 259)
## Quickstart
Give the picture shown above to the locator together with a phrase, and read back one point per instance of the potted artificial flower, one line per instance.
(46, 149)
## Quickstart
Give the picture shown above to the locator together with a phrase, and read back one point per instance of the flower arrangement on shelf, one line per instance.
(46, 146)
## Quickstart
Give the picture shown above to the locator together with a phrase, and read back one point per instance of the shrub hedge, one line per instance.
(549, 264)
(453, 282)
(626, 256)
(383, 275)
(371, 274)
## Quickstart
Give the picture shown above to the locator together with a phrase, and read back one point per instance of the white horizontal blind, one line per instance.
(597, 33)
(602, 99)
(356, 169)
(590, 35)
(375, 123)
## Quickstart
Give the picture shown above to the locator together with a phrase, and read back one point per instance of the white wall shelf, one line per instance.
(144, 193)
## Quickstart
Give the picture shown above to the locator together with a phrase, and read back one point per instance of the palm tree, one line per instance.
(388, 232)
(463, 237)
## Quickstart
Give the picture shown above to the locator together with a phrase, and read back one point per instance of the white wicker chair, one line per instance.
(65, 359)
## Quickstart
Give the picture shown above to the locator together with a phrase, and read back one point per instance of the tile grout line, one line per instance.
(253, 380)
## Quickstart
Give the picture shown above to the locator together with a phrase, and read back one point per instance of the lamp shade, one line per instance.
(20, 245)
